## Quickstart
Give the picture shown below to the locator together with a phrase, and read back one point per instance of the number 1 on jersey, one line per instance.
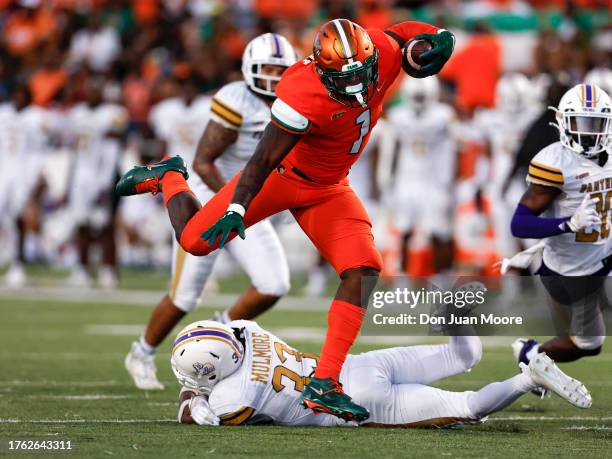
(362, 120)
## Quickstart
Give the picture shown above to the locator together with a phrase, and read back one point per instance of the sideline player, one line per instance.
(321, 121)
(98, 127)
(243, 374)
(568, 205)
(423, 178)
(503, 128)
(239, 112)
(24, 139)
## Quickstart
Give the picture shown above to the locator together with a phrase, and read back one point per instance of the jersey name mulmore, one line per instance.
(426, 319)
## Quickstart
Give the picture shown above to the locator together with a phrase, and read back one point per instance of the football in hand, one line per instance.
(411, 59)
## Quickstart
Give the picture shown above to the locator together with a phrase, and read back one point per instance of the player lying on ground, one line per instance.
(243, 374)
(321, 121)
(570, 184)
(239, 113)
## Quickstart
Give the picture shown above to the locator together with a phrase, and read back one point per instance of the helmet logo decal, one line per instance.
(203, 369)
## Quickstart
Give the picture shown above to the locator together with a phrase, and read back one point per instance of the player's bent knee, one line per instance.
(194, 245)
(468, 350)
(274, 287)
(590, 345)
(185, 303)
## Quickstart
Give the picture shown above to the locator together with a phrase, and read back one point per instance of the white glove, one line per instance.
(585, 215)
(521, 260)
(201, 412)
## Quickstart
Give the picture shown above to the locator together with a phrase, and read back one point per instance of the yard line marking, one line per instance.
(148, 298)
(114, 329)
(81, 397)
(85, 421)
(57, 383)
(163, 420)
(587, 428)
(551, 418)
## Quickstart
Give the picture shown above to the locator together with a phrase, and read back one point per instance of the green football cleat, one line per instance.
(146, 179)
(326, 396)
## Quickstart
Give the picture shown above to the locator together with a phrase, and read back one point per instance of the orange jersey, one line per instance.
(334, 134)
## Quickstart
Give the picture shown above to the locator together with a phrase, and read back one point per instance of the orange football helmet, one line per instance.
(347, 62)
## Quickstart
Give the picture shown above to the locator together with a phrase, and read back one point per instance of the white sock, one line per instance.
(498, 395)
(146, 347)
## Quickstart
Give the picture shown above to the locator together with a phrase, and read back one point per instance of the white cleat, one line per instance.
(80, 278)
(141, 368)
(15, 276)
(545, 373)
(107, 278)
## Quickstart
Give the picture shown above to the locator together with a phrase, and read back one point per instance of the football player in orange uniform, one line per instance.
(325, 109)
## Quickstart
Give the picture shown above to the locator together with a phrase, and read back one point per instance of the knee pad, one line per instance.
(185, 303)
(272, 286)
(588, 343)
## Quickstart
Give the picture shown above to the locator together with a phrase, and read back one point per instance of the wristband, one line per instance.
(238, 208)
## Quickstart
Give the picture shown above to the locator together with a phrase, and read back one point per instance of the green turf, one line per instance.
(53, 367)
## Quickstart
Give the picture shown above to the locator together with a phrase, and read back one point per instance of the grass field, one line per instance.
(62, 377)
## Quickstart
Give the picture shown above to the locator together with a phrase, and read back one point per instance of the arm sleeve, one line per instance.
(225, 107)
(405, 31)
(526, 224)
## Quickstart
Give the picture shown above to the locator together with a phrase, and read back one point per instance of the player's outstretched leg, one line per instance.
(324, 393)
(167, 176)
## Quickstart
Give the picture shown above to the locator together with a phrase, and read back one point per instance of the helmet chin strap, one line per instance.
(359, 98)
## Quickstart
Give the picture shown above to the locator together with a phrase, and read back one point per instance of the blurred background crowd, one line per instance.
(78, 80)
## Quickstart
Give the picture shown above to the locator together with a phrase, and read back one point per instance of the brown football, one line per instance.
(411, 62)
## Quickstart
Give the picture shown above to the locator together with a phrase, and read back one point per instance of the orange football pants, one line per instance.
(332, 216)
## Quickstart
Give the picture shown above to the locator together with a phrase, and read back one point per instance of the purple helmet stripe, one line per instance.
(589, 97)
(277, 47)
(207, 332)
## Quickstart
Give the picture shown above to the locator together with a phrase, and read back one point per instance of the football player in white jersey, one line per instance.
(425, 171)
(567, 205)
(97, 128)
(24, 141)
(238, 114)
(503, 128)
(240, 373)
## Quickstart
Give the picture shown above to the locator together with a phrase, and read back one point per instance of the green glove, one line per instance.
(231, 221)
(443, 45)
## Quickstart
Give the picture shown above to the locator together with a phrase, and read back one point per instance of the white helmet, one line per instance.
(271, 49)
(418, 92)
(205, 353)
(512, 92)
(583, 119)
(600, 76)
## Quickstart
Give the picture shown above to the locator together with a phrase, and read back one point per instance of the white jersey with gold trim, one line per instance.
(390, 383)
(236, 107)
(504, 132)
(181, 125)
(425, 168)
(574, 254)
(24, 137)
(268, 385)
